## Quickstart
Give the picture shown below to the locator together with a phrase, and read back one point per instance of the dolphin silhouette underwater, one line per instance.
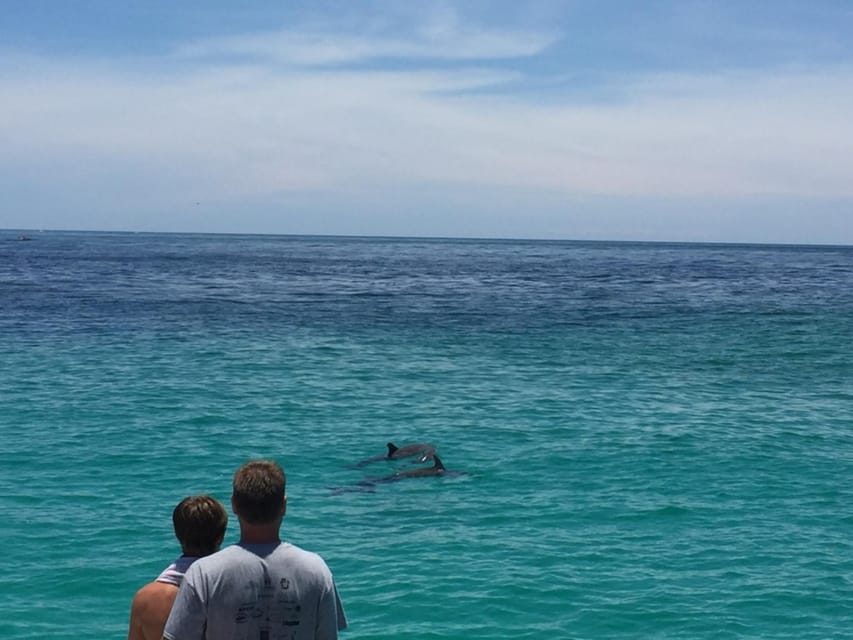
(437, 469)
(369, 484)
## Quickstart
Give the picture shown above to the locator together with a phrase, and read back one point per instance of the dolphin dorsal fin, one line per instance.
(391, 449)
(438, 464)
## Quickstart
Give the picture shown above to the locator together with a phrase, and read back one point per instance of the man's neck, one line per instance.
(259, 533)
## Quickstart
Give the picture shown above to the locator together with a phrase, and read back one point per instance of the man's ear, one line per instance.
(284, 506)
(233, 507)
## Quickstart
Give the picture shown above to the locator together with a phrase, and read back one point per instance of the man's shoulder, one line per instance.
(240, 553)
(154, 589)
(307, 560)
(310, 556)
(222, 556)
(149, 610)
(234, 554)
(154, 595)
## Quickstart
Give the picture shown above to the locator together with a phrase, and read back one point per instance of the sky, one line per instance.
(668, 120)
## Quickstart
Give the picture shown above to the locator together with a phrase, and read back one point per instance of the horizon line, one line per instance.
(435, 238)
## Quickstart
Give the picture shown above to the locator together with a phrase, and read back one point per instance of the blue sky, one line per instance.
(659, 120)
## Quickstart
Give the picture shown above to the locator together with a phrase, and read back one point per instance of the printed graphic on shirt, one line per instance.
(271, 608)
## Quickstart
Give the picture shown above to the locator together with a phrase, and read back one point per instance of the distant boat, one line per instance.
(24, 238)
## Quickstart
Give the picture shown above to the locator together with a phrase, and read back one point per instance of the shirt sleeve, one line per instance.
(187, 619)
(330, 614)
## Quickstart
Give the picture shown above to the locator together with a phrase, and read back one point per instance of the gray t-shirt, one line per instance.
(274, 591)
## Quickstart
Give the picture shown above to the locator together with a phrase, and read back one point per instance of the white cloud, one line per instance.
(437, 35)
(228, 132)
(320, 49)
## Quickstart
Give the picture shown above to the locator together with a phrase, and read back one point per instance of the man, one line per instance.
(199, 523)
(260, 588)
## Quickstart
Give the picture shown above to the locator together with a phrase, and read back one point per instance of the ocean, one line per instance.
(652, 440)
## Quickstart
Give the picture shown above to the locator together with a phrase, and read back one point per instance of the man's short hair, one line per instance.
(259, 490)
(200, 523)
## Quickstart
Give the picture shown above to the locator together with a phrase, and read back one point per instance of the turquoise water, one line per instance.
(656, 440)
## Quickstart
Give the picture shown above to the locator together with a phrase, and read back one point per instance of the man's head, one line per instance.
(200, 523)
(259, 492)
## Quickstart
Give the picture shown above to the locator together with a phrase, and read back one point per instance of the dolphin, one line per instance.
(368, 485)
(421, 449)
(436, 469)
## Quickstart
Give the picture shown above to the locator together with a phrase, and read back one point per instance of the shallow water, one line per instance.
(657, 439)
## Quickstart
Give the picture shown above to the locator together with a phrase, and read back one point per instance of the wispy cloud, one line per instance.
(441, 36)
(229, 120)
(680, 135)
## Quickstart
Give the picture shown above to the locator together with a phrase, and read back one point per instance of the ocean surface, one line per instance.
(653, 440)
